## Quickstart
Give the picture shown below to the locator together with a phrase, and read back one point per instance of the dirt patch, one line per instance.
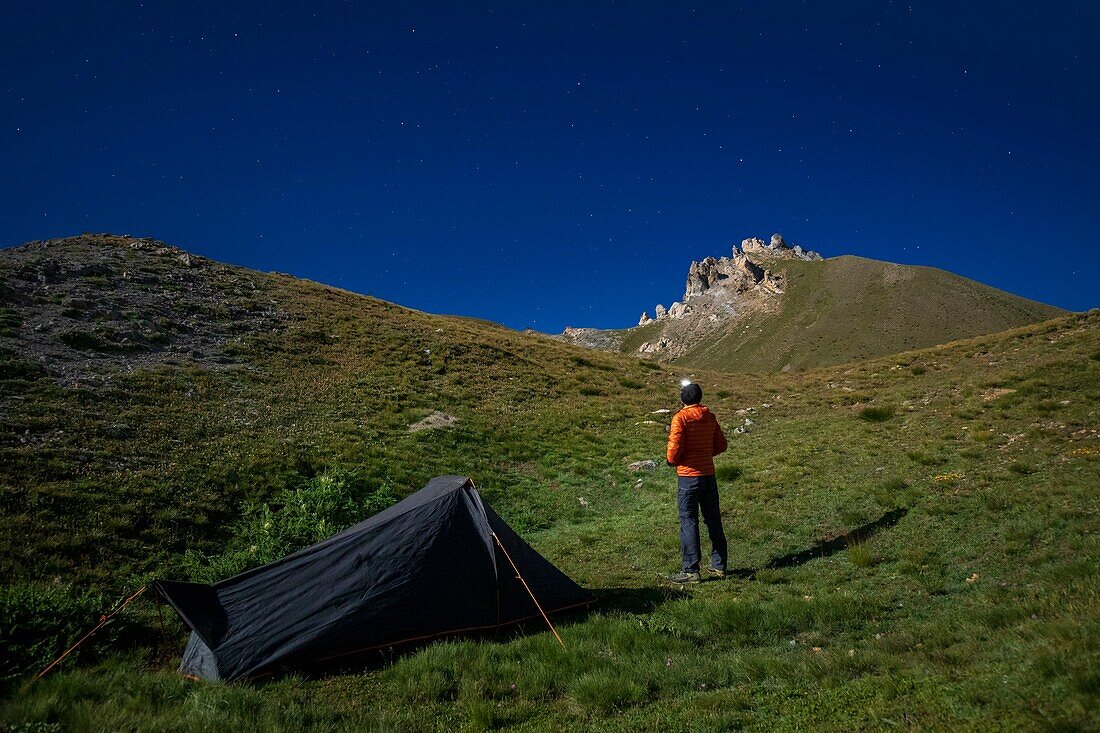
(995, 392)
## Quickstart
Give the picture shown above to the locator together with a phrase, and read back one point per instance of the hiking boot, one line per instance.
(683, 578)
(716, 573)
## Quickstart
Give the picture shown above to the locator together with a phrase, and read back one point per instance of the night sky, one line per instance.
(561, 163)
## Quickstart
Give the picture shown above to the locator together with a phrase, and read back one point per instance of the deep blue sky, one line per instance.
(561, 163)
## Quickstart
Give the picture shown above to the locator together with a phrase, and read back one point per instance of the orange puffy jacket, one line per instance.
(693, 440)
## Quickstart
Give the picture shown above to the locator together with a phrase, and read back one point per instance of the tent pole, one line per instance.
(529, 592)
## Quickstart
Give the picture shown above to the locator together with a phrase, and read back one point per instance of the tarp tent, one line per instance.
(426, 567)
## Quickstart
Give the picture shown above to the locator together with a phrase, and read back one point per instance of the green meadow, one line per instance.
(976, 606)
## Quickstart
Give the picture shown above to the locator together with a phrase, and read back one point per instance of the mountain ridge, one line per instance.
(775, 306)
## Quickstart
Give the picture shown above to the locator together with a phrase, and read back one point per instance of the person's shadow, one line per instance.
(645, 600)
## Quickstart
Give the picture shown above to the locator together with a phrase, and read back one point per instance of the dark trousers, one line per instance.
(697, 493)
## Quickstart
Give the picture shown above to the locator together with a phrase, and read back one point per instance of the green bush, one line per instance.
(10, 322)
(876, 414)
(38, 622)
(728, 472)
(298, 517)
(83, 341)
(859, 555)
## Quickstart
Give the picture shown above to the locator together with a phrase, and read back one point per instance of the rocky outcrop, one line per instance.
(738, 274)
(719, 291)
(735, 275)
(593, 338)
(777, 247)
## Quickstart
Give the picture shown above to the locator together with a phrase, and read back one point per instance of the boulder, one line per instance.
(434, 421)
(646, 465)
(644, 319)
(753, 244)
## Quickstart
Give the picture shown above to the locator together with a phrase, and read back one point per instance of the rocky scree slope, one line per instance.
(773, 306)
(81, 308)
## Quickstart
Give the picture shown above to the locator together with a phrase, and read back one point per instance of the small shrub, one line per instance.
(631, 383)
(723, 394)
(859, 555)
(852, 398)
(895, 485)
(918, 370)
(1022, 469)
(926, 459)
(589, 391)
(876, 414)
(14, 368)
(37, 622)
(82, 341)
(582, 362)
(9, 322)
(652, 365)
(728, 472)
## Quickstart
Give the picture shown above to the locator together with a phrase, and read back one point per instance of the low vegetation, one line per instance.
(850, 308)
(979, 607)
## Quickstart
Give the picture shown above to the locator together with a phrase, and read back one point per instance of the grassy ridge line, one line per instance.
(851, 308)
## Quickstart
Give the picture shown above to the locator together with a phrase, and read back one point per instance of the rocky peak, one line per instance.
(719, 290)
(777, 247)
(738, 273)
(730, 278)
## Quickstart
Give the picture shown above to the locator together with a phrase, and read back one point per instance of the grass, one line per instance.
(981, 607)
(10, 321)
(727, 472)
(859, 555)
(851, 308)
(876, 414)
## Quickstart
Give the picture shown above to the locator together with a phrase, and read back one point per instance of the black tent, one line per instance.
(429, 566)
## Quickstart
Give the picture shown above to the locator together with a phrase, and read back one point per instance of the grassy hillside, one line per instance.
(850, 308)
(111, 473)
(979, 606)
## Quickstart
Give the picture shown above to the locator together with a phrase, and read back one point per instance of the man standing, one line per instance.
(694, 438)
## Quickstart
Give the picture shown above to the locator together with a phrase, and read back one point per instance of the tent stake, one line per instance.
(544, 616)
